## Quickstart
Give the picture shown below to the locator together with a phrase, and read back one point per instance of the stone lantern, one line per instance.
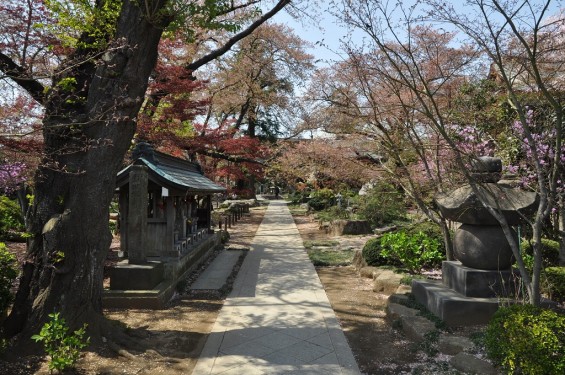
(472, 286)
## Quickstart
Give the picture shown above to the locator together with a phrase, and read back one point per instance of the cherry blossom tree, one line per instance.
(513, 39)
(96, 59)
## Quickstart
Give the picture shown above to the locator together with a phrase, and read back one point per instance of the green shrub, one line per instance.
(298, 197)
(554, 283)
(10, 217)
(528, 261)
(372, 253)
(528, 340)
(411, 251)
(549, 251)
(381, 205)
(429, 228)
(8, 273)
(63, 348)
(321, 199)
(332, 213)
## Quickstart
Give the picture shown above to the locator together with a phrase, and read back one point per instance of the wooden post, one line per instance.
(137, 215)
(170, 216)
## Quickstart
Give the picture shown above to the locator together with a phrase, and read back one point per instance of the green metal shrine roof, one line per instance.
(170, 172)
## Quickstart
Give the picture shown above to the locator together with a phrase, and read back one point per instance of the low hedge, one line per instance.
(525, 339)
(372, 253)
(8, 273)
(11, 218)
(549, 251)
(410, 251)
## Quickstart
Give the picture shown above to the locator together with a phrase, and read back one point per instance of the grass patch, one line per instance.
(331, 258)
(320, 243)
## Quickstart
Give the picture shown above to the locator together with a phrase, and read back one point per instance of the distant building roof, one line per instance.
(170, 172)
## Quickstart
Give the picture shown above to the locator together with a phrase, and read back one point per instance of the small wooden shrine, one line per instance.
(165, 205)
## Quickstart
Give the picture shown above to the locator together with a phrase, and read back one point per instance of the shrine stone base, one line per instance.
(466, 296)
(136, 276)
(151, 287)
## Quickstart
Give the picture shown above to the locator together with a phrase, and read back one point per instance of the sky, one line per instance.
(327, 35)
(324, 36)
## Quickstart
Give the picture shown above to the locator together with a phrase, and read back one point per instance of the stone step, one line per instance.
(216, 274)
(469, 364)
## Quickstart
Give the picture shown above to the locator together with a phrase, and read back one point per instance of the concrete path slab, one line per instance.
(278, 319)
(216, 274)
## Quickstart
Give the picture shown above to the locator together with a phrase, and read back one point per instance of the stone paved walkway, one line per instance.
(278, 319)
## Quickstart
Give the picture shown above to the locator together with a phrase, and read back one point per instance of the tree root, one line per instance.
(120, 351)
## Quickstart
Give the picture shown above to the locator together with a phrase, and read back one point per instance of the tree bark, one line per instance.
(448, 242)
(561, 231)
(86, 137)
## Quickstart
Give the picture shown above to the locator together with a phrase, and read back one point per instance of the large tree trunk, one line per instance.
(561, 227)
(85, 142)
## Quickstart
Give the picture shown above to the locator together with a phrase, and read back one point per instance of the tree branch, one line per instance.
(236, 38)
(20, 76)
(232, 158)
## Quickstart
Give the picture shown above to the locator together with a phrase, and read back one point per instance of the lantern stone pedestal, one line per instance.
(451, 307)
(471, 282)
(466, 296)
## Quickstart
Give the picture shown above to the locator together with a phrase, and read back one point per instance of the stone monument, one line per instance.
(473, 286)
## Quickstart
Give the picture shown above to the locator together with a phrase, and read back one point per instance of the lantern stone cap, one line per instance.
(467, 206)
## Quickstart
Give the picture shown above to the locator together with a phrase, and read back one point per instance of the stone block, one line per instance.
(387, 282)
(126, 276)
(155, 298)
(469, 364)
(343, 227)
(395, 311)
(370, 272)
(416, 327)
(453, 308)
(175, 269)
(472, 282)
(358, 260)
(452, 345)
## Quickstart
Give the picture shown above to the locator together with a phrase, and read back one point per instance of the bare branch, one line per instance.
(232, 158)
(236, 38)
(21, 77)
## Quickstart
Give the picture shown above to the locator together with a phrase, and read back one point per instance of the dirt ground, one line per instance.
(169, 341)
(162, 341)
